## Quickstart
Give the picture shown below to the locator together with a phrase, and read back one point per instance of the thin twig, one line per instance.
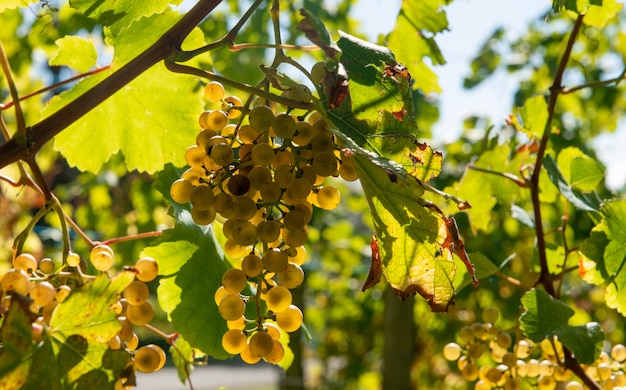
(244, 46)
(55, 85)
(509, 279)
(555, 89)
(506, 175)
(79, 231)
(131, 237)
(19, 114)
(594, 84)
(227, 40)
(545, 278)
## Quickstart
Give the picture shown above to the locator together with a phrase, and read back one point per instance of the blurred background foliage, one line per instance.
(344, 348)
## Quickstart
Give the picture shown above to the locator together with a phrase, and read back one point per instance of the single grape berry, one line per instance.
(234, 341)
(261, 118)
(275, 260)
(149, 358)
(231, 307)
(25, 261)
(234, 281)
(141, 314)
(278, 299)
(16, 280)
(136, 293)
(214, 91)
(261, 344)
(289, 320)
(101, 257)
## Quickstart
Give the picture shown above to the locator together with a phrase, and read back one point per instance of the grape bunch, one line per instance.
(260, 177)
(45, 288)
(491, 359)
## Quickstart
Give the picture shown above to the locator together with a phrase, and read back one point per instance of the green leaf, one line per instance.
(475, 187)
(182, 357)
(583, 172)
(192, 265)
(483, 266)
(76, 52)
(592, 268)
(614, 226)
(523, 216)
(11, 4)
(317, 33)
(572, 195)
(150, 120)
(545, 317)
(46, 374)
(80, 328)
(604, 254)
(87, 312)
(414, 17)
(409, 235)
(16, 345)
(598, 15)
(379, 113)
(119, 14)
(534, 116)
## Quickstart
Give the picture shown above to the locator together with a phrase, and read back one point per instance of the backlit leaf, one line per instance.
(410, 236)
(82, 324)
(119, 14)
(149, 132)
(192, 265)
(545, 317)
(76, 52)
(578, 200)
(534, 116)
(581, 171)
(16, 336)
(182, 357)
(11, 4)
(599, 15)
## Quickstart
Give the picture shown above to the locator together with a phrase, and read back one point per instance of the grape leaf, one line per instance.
(591, 264)
(119, 14)
(82, 324)
(379, 113)
(583, 172)
(96, 322)
(11, 4)
(606, 247)
(414, 17)
(192, 265)
(483, 266)
(317, 33)
(76, 52)
(598, 15)
(182, 356)
(411, 238)
(16, 344)
(586, 203)
(374, 112)
(545, 317)
(534, 116)
(150, 120)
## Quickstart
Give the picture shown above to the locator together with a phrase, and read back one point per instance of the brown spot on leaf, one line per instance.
(396, 69)
(399, 115)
